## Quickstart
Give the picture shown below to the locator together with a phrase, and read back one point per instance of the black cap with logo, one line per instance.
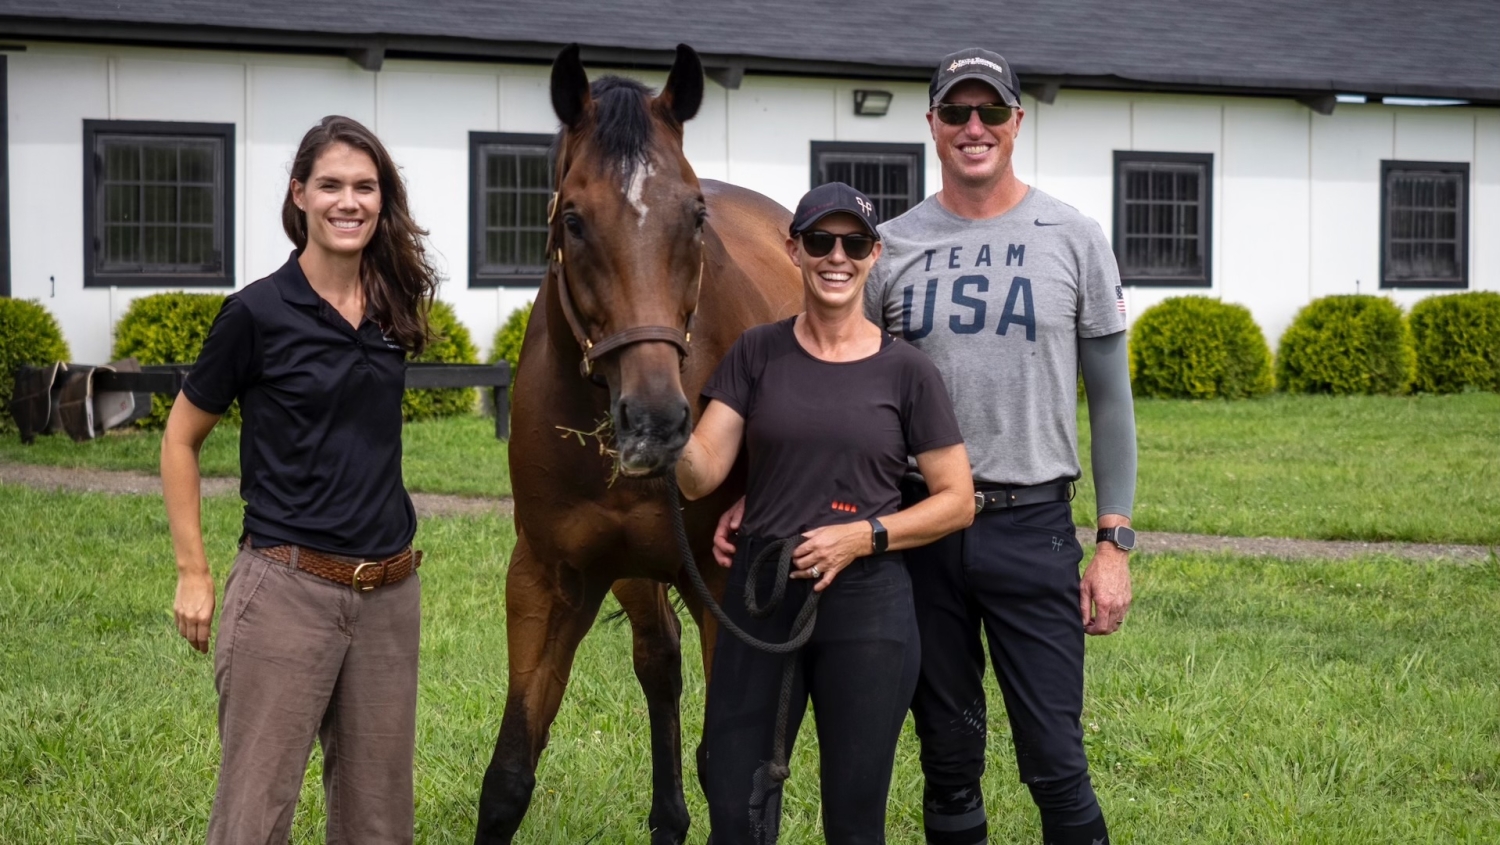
(832, 198)
(974, 63)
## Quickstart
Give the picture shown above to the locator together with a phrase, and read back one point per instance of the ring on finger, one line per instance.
(814, 572)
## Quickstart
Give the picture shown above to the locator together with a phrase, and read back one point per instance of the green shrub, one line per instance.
(1346, 344)
(450, 344)
(167, 328)
(1457, 341)
(507, 345)
(28, 335)
(1196, 347)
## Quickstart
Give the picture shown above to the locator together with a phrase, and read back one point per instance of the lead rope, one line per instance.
(802, 626)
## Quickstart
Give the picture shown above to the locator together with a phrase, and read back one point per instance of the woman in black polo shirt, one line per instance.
(830, 409)
(318, 638)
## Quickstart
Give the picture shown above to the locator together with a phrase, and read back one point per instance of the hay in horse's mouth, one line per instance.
(604, 434)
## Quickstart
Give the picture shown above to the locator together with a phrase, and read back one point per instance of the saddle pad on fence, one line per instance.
(33, 403)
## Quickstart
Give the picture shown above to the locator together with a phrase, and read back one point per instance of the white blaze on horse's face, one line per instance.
(636, 187)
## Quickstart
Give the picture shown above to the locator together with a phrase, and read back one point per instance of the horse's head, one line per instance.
(626, 246)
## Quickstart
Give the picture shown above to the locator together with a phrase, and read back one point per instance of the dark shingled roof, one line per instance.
(1285, 47)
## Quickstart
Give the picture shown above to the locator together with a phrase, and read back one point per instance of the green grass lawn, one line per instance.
(1424, 469)
(459, 455)
(1245, 701)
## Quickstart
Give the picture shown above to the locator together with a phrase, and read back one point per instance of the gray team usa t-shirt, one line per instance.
(999, 305)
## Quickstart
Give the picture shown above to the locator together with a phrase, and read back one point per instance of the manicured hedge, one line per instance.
(28, 335)
(1196, 347)
(168, 328)
(507, 345)
(1457, 339)
(1346, 345)
(451, 344)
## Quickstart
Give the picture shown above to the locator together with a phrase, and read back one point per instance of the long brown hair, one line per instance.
(399, 282)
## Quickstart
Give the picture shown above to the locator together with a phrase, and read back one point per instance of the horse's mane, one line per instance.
(622, 120)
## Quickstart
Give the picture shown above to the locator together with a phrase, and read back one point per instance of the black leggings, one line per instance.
(859, 669)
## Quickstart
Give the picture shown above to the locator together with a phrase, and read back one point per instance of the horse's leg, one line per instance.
(548, 611)
(708, 632)
(657, 648)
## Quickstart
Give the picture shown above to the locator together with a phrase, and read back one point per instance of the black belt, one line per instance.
(1000, 497)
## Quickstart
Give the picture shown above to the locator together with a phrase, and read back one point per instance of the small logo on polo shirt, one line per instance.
(1057, 544)
(845, 507)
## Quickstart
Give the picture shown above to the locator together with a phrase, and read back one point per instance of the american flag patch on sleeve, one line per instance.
(1120, 298)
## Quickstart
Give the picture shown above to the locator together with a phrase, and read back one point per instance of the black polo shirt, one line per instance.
(320, 450)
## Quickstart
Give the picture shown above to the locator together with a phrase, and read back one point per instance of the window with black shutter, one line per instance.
(158, 204)
(1163, 218)
(510, 178)
(1424, 224)
(889, 174)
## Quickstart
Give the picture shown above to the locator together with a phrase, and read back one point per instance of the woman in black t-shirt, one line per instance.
(830, 409)
(319, 633)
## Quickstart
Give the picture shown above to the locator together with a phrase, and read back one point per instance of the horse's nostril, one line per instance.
(622, 417)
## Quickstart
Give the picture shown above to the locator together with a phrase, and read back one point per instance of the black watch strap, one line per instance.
(1121, 535)
(879, 539)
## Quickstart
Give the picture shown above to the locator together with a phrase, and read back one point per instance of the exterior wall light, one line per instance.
(871, 103)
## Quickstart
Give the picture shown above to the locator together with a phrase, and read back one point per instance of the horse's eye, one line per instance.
(574, 224)
(702, 217)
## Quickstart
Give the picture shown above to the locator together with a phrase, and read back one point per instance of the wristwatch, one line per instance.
(879, 539)
(1121, 535)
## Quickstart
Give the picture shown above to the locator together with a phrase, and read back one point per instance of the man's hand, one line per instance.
(1104, 594)
(194, 608)
(727, 532)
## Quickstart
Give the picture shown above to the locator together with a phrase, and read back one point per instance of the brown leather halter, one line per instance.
(592, 351)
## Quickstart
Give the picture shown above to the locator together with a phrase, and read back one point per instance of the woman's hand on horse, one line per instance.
(829, 549)
(194, 608)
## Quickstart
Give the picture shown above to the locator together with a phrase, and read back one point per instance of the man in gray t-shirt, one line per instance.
(1011, 292)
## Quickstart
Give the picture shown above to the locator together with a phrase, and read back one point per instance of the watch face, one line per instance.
(1125, 537)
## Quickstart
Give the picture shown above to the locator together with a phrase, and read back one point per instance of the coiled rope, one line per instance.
(802, 626)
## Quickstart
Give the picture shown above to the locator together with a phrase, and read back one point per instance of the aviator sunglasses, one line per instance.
(818, 243)
(957, 114)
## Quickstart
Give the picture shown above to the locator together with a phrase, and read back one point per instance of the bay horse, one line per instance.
(652, 275)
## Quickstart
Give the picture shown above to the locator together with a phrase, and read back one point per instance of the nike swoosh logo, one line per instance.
(1039, 222)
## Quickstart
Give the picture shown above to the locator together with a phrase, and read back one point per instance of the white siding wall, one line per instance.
(1296, 195)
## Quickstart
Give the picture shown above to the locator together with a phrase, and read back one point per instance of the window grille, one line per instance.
(1424, 224)
(160, 202)
(889, 174)
(1162, 218)
(511, 178)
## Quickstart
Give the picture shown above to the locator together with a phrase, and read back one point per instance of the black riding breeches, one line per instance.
(859, 670)
(1014, 576)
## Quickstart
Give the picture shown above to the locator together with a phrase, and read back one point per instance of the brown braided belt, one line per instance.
(361, 575)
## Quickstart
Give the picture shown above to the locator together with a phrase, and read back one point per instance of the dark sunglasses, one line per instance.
(818, 243)
(957, 114)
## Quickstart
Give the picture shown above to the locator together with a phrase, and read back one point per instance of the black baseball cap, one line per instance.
(832, 198)
(975, 63)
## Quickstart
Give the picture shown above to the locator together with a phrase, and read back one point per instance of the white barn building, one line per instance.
(1266, 155)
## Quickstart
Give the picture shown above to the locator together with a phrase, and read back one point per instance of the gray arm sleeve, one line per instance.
(1106, 380)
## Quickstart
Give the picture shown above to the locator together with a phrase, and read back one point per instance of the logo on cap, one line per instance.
(958, 63)
(864, 205)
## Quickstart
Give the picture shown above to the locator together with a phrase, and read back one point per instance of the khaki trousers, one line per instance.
(299, 658)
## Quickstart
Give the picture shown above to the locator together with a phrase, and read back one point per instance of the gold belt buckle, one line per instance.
(354, 582)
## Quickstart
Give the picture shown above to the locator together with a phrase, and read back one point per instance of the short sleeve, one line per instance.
(1101, 297)
(927, 416)
(228, 362)
(875, 294)
(734, 380)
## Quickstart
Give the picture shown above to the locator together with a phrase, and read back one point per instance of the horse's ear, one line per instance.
(570, 87)
(683, 93)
